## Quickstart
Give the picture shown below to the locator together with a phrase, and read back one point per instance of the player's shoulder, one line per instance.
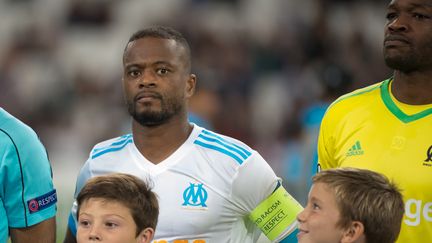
(221, 146)
(13, 126)
(111, 145)
(14, 131)
(357, 97)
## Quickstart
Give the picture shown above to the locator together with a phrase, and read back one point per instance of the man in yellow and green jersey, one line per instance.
(387, 127)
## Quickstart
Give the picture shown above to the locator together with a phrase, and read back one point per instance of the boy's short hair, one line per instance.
(366, 196)
(128, 190)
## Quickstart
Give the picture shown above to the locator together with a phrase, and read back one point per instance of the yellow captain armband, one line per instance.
(276, 216)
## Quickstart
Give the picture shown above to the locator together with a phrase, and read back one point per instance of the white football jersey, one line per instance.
(206, 188)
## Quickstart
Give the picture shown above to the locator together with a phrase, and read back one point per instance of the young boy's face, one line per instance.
(318, 221)
(105, 221)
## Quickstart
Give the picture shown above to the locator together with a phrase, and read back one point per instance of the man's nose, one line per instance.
(398, 24)
(148, 79)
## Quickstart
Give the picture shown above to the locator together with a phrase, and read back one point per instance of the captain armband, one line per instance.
(276, 216)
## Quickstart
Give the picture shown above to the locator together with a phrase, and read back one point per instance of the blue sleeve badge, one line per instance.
(37, 204)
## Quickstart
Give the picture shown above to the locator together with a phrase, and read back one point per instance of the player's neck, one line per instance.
(157, 143)
(412, 88)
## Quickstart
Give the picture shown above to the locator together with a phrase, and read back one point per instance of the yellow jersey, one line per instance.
(368, 128)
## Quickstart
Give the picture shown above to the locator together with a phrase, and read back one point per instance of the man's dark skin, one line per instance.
(408, 50)
(43, 232)
(157, 85)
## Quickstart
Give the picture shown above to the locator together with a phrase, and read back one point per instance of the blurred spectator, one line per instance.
(96, 13)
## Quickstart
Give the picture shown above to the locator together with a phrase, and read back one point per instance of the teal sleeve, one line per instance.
(27, 191)
(4, 231)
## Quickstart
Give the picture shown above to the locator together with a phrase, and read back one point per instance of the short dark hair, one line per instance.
(128, 190)
(162, 32)
(366, 196)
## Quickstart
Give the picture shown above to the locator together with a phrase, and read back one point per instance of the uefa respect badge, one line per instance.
(276, 216)
(39, 203)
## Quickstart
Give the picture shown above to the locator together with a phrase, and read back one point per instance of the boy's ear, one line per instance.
(146, 235)
(354, 233)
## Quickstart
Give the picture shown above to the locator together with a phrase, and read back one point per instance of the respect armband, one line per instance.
(276, 216)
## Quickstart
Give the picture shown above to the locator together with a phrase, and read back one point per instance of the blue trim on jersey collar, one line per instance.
(212, 141)
(224, 151)
(248, 153)
(112, 149)
(123, 139)
(234, 149)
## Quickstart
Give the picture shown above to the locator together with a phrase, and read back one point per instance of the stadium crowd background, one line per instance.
(267, 70)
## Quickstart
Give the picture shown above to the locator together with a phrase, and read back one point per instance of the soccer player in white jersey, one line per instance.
(211, 188)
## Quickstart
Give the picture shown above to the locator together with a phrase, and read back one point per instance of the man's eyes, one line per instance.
(420, 16)
(162, 71)
(158, 71)
(391, 16)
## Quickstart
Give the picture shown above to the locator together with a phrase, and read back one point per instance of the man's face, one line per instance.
(105, 221)
(318, 221)
(156, 80)
(408, 35)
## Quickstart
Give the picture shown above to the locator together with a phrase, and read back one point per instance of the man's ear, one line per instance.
(146, 235)
(354, 233)
(190, 86)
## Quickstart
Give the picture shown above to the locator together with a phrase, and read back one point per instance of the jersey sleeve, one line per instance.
(326, 143)
(28, 193)
(260, 193)
(254, 182)
(83, 176)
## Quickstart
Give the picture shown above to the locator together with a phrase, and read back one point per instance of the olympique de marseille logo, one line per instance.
(195, 195)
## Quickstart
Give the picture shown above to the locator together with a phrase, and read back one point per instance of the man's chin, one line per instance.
(150, 120)
(400, 64)
(150, 124)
